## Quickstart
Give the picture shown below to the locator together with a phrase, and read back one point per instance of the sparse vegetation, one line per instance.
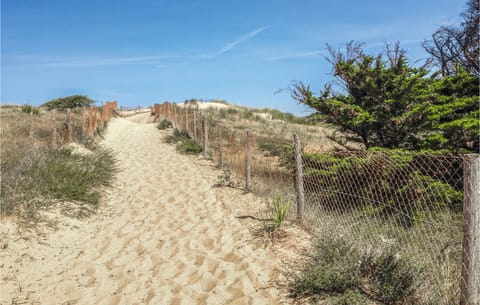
(347, 274)
(184, 143)
(226, 179)
(164, 124)
(35, 176)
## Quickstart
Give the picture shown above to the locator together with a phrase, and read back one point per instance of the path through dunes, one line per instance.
(161, 237)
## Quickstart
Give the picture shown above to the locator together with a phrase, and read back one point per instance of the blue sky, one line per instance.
(145, 51)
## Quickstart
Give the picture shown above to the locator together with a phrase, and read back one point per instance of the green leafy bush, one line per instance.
(30, 109)
(393, 184)
(69, 102)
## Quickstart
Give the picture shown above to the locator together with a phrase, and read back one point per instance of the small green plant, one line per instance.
(164, 124)
(225, 179)
(277, 214)
(280, 208)
(189, 147)
(30, 109)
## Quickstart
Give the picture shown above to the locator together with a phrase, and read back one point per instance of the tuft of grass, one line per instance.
(164, 124)
(276, 215)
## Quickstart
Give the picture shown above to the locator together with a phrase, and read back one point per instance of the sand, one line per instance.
(163, 235)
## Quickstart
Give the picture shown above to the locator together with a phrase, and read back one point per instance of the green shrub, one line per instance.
(189, 147)
(164, 124)
(391, 276)
(69, 102)
(338, 267)
(333, 267)
(30, 109)
(225, 179)
(177, 136)
(392, 184)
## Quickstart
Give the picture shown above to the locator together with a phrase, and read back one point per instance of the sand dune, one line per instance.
(162, 236)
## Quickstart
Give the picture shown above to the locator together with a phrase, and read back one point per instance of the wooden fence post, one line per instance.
(220, 149)
(205, 136)
(195, 125)
(174, 121)
(30, 132)
(54, 129)
(299, 178)
(471, 231)
(248, 170)
(69, 126)
(186, 119)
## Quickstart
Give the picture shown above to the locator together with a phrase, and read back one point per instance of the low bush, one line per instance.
(189, 147)
(30, 109)
(336, 267)
(225, 179)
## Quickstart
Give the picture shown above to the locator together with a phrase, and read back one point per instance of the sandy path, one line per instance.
(162, 237)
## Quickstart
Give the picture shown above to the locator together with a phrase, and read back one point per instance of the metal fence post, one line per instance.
(471, 231)
(248, 170)
(299, 178)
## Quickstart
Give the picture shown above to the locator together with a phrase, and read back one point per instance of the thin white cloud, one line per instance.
(233, 44)
(242, 39)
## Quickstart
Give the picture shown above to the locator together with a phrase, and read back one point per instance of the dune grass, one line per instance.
(34, 175)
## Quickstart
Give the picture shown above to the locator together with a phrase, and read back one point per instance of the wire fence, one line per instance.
(424, 205)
